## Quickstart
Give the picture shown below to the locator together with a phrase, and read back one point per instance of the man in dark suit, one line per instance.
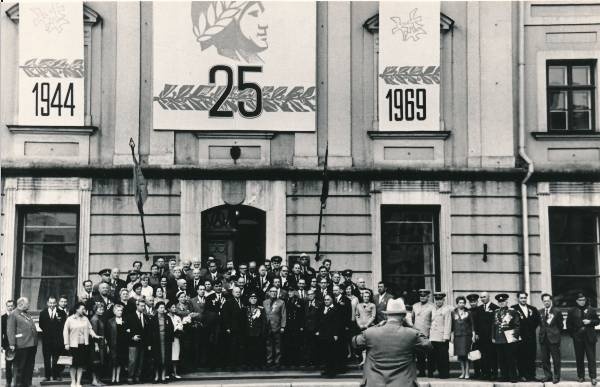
(213, 273)
(213, 310)
(8, 370)
(549, 335)
(483, 332)
(344, 306)
(262, 283)
(103, 297)
(52, 321)
(529, 318)
(116, 283)
(581, 322)
(294, 329)
(381, 299)
(138, 330)
(329, 332)
(199, 331)
(23, 339)
(295, 277)
(323, 289)
(194, 282)
(311, 316)
(234, 323)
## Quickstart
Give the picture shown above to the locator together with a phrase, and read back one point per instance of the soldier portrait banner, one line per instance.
(234, 65)
(409, 65)
(51, 65)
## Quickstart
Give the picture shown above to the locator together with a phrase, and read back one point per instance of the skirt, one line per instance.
(81, 356)
(175, 350)
(462, 345)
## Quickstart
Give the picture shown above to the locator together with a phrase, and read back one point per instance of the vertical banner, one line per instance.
(234, 65)
(409, 65)
(51, 68)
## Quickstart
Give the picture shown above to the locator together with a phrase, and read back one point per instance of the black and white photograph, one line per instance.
(299, 193)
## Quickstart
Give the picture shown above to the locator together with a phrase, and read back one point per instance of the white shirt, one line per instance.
(525, 310)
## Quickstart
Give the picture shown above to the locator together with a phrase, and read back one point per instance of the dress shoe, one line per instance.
(580, 380)
(555, 381)
(594, 382)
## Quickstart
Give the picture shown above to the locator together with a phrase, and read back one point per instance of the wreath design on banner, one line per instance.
(53, 68)
(413, 75)
(219, 14)
(203, 97)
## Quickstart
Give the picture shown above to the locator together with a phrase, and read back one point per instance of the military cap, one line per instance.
(439, 295)
(133, 271)
(104, 272)
(276, 258)
(424, 292)
(501, 297)
(304, 255)
(210, 258)
(253, 294)
(473, 297)
(347, 273)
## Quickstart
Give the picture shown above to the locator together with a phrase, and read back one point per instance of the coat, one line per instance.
(134, 327)
(381, 305)
(3, 321)
(505, 319)
(234, 316)
(422, 317)
(197, 309)
(345, 309)
(294, 310)
(21, 330)
(441, 324)
(311, 317)
(529, 324)
(276, 314)
(576, 328)
(330, 324)
(390, 354)
(550, 326)
(256, 322)
(52, 329)
(483, 322)
(154, 338)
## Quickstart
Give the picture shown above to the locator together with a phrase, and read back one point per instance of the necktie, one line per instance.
(141, 319)
(52, 315)
(239, 304)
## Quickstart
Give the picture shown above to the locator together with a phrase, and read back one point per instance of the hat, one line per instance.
(210, 258)
(133, 271)
(253, 294)
(439, 295)
(473, 297)
(424, 292)
(395, 307)
(304, 255)
(501, 297)
(104, 272)
(580, 295)
(276, 258)
(347, 273)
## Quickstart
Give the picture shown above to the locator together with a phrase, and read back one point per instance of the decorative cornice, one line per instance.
(239, 135)
(566, 136)
(52, 129)
(90, 17)
(372, 23)
(408, 135)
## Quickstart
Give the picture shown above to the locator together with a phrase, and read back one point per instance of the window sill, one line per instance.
(423, 134)
(44, 129)
(566, 136)
(241, 135)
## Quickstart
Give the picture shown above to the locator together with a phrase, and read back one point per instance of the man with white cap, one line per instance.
(391, 349)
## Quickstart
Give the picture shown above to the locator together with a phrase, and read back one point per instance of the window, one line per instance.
(571, 95)
(574, 253)
(410, 249)
(47, 254)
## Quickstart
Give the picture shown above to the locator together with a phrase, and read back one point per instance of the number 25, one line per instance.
(242, 85)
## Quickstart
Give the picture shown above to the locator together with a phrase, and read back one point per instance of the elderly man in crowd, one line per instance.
(23, 339)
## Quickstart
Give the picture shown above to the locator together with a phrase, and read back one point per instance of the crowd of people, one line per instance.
(153, 326)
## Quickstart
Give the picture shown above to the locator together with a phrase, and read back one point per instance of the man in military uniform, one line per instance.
(347, 274)
(305, 265)
(483, 331)
(473, 299)
(275, 267)
(439, 334)
(421, 312)
(505, 336)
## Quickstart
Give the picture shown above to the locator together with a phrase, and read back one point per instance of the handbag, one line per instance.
(65, 360)
(474, 355)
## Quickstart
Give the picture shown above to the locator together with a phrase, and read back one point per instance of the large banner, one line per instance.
(409, 65)
(51, 67)
(234, 65)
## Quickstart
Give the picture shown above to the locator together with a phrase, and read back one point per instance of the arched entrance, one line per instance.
(235, 233)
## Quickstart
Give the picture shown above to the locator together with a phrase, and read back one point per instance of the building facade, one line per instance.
(437, 209)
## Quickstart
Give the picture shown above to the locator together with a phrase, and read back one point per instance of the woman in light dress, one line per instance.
(178, 329)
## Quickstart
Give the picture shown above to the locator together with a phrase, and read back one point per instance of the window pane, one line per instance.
(408, 232)
(408, 259)
(558, 100)
(580, 75)
(45, 260)
(581, 121)
(565, 290)
(557, 75)
(558, 120)
(573, 259)
(572, 226)
(582, 100)
(38, 290)
(51, 234)
(51, 219)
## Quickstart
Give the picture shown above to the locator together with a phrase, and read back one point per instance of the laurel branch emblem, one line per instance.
(53, 68)
(219, 15)
(414, 75)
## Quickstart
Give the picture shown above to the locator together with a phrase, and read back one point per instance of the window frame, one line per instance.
(435, 211)
(571, 210)
(569, 88)
(22, 211)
